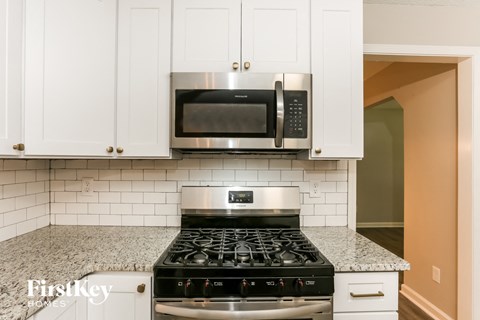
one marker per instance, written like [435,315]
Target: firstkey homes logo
[95,294]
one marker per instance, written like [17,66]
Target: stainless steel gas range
[240,254]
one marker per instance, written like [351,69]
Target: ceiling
[459,3]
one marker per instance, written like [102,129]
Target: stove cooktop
[249,261]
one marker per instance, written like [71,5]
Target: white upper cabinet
[206,35]
[143,78]
[276,36]
[236,35]
[337,79]
[11,28]
[70,60]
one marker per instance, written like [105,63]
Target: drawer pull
[367,295]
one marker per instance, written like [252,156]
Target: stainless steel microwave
[240,112]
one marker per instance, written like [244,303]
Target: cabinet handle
[19,147]
[119,150]
[109,149]
[235,65]
[141,288]
[318,150]
[367,295]
[246,65]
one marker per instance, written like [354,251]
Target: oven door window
[225,113]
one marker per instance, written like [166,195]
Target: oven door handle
[280,114]
[257,311]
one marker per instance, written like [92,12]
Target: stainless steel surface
[246,309]
[230,81]
[280,114]
[367,295]
[275,199]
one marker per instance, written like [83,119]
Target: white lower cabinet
[64,308]
[130,297]
[366,296]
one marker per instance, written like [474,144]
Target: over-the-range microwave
[240,112]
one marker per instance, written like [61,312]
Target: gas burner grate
[242,248]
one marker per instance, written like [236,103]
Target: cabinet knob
[235,65]
[119,150]
[19,147]
[109,149]
[141,288]
[318,150]
[246,65]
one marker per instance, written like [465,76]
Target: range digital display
[240,197]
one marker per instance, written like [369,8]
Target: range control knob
[188,288]
[207,289]
[299,286]
[244,288]
[281,286]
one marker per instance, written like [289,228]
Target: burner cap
[199,258]
[286,257]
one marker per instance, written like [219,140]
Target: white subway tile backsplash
[246,175]
[118,208]
[201,175]
[314,221]
[154,197]
[223,175]
[25,202]
[14,190]
[144,209]
[148,192]
[65,174]
[109,197]
[132,197]
[155,174]
[143,186]
[336,198]
[110,220]
[125,186]
[165,209]
[336,221]
[177,175]
[165,186]
[99,208]
[109,175]
[14,164]
[7,177]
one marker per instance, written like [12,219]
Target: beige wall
[430,120]
[422,25]
[380,173]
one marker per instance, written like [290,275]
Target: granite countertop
[61,254]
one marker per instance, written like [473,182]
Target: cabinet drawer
[366,316]
[366,291]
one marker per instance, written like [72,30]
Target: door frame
[468,172]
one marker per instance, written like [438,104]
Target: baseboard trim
[379,224]
[427,307]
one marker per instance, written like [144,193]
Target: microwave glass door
[225,113]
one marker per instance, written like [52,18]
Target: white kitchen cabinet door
[276,36]
[64,308]
[143,119]
[337,79]
[70,61]
[11,30]
[124,301]
[206,35]
[366,316]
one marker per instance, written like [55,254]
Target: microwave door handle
[280,114]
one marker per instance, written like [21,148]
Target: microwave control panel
[296,114]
